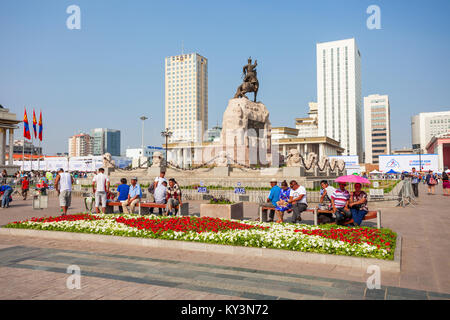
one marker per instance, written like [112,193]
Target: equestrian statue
[250,83]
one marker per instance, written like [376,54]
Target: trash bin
[40,201]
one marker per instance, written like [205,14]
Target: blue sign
[202,190]
[154,148]
[239,190]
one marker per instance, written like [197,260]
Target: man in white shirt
[63,186]
[100,187]
[297,198]
[161,194]
[158,181]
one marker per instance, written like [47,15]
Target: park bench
[264,209]
[183,211]
[370,215]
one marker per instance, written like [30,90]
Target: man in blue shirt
[123,189]
[415,182]
[7,191]
[134,196]
[274,197]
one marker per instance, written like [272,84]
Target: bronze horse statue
[251,83]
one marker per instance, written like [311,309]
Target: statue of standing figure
[250,83]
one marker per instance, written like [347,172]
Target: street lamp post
[167,134]
[143,118]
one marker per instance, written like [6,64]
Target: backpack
[444,176]
[151,189]
[432,180]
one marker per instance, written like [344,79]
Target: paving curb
[305,257]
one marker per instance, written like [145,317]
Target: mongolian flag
[40,126]
[34,124]
[26,127]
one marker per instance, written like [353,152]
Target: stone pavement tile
[407,293]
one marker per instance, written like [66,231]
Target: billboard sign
[405,162]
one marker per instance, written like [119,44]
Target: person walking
[134,196]
[25,187]
[415,182]
[297,197]
[273,198]
[7,191]
[431,182]
[445,184]
[63,186]
[100,187]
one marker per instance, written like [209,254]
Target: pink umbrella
[352,179]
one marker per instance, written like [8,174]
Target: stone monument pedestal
[109,170]
[154,171]
[221,171]
[293,172]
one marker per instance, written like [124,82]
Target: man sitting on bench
[134,196]
[339,201]
[273,198]
[173,197]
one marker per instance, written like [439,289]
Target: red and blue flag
[34,124]
[40,126]
[26,127]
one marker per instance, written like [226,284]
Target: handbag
[432,181]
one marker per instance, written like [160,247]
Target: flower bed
[330,239]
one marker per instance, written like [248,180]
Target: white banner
[405,162]
[72,164]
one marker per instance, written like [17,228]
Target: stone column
[321,150]
[2,146]
[284,150]
[11,147]
[179,157]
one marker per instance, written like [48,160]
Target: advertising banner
[405,162]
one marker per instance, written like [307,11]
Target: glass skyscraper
[106,141]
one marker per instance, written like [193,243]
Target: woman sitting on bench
[283,204]
[358,204]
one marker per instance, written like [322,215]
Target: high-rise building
[307,127]
[377,127]
[339,94]
[426,125]
[106,140]
[186,97]
[81,145]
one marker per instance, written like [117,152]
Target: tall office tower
[106,140]
[339,94]
[426,125]
[377,127]
[186,96]
[81,145]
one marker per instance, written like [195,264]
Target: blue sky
[111,71]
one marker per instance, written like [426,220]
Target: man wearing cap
[273,198]
[134,196]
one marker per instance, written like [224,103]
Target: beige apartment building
[186,97]
[377,127]
[81,145]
